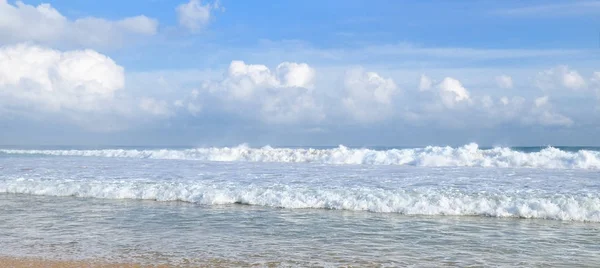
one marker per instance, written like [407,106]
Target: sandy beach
[14,262]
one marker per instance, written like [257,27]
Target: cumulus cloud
[425,83]
[490,112]
[194,16]
[511,107]
[154,107]
[538,111]
[504,81]
[595,81]
[560,77]
[495,111]
[295,94]
[293,74]
[243,80]
[541,101]
[596,78]
[452,92]
[487,102]
[284,95]
[453,105]
[368,96]
[83,82]
[53,80]
[189,103]
[193,109]
[45,25]
[544,114]
[81,87]
[139,25]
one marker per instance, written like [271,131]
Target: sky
[299,73]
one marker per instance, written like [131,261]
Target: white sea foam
[419,202]
[431,156]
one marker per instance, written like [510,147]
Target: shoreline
[38,262]
[33,262]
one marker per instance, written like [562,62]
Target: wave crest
[469,155]
[407,202]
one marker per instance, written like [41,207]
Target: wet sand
[13,262]
[22,262]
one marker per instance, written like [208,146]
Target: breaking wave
[432,156]
[409,202]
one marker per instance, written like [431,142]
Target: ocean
[297,207]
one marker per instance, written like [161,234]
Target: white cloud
[425,83]
[573,80]
[596,77]
[242,80]
[487,102]
[489,112]
[504,81]
[452,92]
[543,113]
[595,81]
[368,95]
[48,79]
[292,74]
[512,107]
[44,24]
[294,93]
[560,77]
[189,103]
[154,107]
[541,101]
[195,93]
[81,87]
[194,109]
[538,111]
[283,96]
[549,118]
[139,24]
[194,16]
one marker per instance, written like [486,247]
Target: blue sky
[299,72]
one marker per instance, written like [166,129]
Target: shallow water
[178,232]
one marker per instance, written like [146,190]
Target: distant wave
[426,202]
[469,155]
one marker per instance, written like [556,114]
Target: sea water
[430,206]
